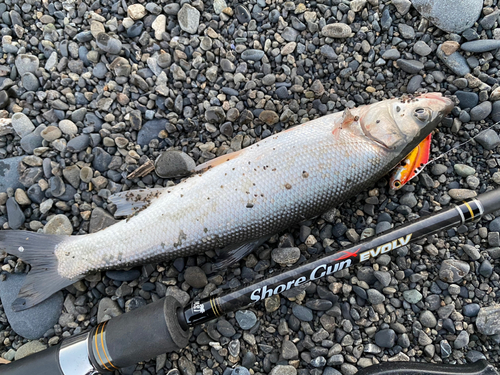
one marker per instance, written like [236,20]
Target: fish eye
[397,183]
[422,114]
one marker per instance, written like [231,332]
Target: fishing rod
[164,326]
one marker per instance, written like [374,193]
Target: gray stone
[481,111]
[391,54]
[479,46]
[100,219]
[453,16]
[410,66]
[471,251]
[336,30]
[489,139]
[414,84]
[283,370]
[26,64]
[463,170]
[286,255]
[385,338]
[14,214]
[462,340]
[195,277]
[78,143]
[402,6]
[252,54]
[302,313]
[109,44]
[31,323]
[467,99]
[30,82]
[428,319]
[375,297]
[174,164]
[9,173]
[456,62]
[422,48]
[107,309]
[406,31]
[22,124]
[59,224]
[189,18]
[246,319]
[452,271]
[29,348]
[150,130]
[412,296]
[488,320]
[461,194]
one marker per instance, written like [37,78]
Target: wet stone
[489,139]
[410,66]
[302,313]
[246,319]
[453,16]
[452,271]
[174,164]
[195,277]
[14,214]
[385,338]
[189,18]
[34,322]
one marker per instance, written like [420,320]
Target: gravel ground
[92,94]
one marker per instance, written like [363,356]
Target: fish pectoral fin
[131,201]
[235,252]
[217,161]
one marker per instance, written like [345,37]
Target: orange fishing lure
[413,164]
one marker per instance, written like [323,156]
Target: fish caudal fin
[37,249]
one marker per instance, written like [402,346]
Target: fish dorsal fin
[131,201]
[217,161]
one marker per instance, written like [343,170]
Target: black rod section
[204,310]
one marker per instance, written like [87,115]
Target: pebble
[136,11]
[480,46]
[22,124]
[9,173]
[242,14]
[107,309]
[410,66]
[471,251]
[59,224]
[150,130]
[452,16]
[481,111]
[471,309]
[461,194]
[15,215]
[174,164]
[283,370]
[225,328]
[385,338]
[34,322]
[302,313]
[195,277]
[108,44]
[489,139]
[467,99]
[100,219]
[452,271]
[422,48]
[26,64]
[488,320]
[428,319]
[412,296]
[456,62]
[286,255]
[189,18]
[246,319]
[29,348]
[252,55]
[336,30]
[463,170]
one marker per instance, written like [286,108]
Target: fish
[235,200]
[412,165]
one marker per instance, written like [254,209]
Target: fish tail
[38,250]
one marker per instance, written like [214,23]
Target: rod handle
[45,362]
[490,201]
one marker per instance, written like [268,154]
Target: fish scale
[238,198]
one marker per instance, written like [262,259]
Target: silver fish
[237,198]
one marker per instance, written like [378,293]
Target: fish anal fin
[131,201]
[217,161]
[235,252]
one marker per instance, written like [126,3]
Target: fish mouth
[443,104]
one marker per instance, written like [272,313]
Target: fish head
[399,125]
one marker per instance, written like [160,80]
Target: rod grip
[45,362]
[422,368]
[139,335]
